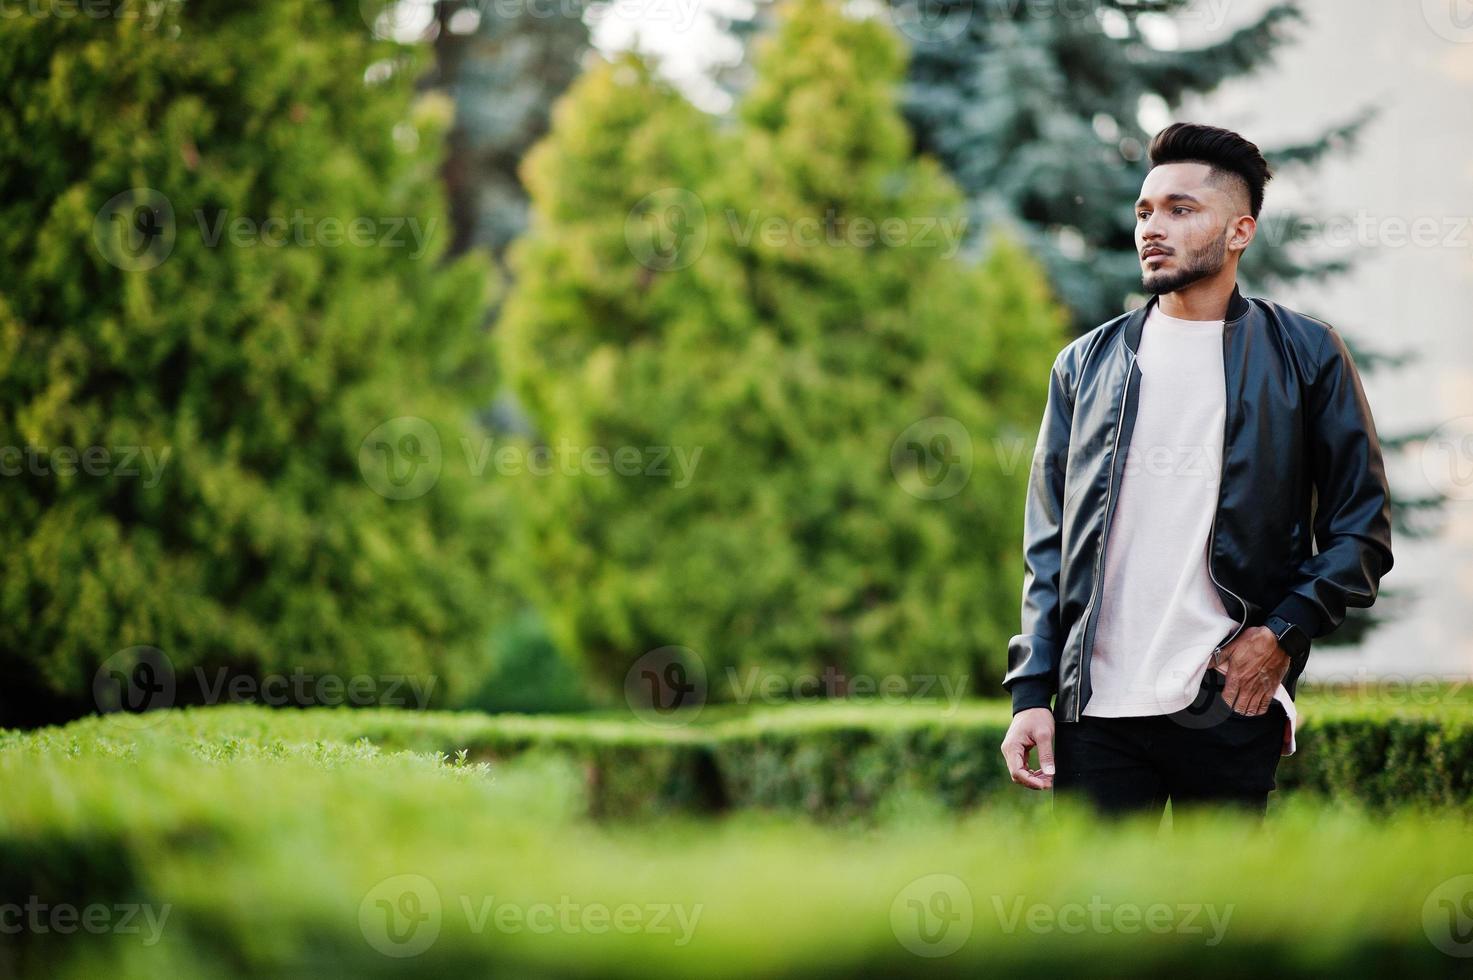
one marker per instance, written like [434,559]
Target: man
[1207,497]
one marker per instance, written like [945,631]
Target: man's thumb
[1046,756]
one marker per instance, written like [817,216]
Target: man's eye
[1187,210]
[1141,215]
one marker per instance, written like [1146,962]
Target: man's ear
[1242,231]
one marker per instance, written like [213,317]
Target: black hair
[1223,150]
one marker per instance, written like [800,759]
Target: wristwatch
[1290,637]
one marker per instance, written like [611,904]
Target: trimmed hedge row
[833,760]
[836,760]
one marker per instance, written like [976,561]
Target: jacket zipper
[1212,535]
[1104,537]
[1211,541]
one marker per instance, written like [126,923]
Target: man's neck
[1206,299]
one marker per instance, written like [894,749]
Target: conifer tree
[781,302]
[221,235]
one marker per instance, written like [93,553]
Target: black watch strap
[1291,637]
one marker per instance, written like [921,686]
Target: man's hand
[1031,727]
[1254,666]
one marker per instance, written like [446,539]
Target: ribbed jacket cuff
[1031,693]
[1301,612]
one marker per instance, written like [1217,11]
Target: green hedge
[832,759]
[271,837]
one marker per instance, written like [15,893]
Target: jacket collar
[1237,306]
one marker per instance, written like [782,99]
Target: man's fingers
[1015,754]
[1033,779]
[1244,701]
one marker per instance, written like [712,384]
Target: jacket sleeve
[1352,521]
[1033,655]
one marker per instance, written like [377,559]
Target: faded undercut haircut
[1232,158]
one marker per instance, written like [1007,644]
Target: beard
[1199,264]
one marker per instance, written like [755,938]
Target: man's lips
[1150,252]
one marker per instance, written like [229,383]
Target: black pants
[1205,754]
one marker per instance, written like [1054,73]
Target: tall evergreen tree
[221,234]
[782,299]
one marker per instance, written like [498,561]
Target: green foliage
[526,671]
[264,843]
[775,305]
[250,368]
[831,760]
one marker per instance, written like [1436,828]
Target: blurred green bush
[220,224]
[841,410]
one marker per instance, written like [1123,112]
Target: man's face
[1185,224]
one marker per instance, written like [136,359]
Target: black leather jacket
[1300,455]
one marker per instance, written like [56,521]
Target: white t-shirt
[1160,615]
